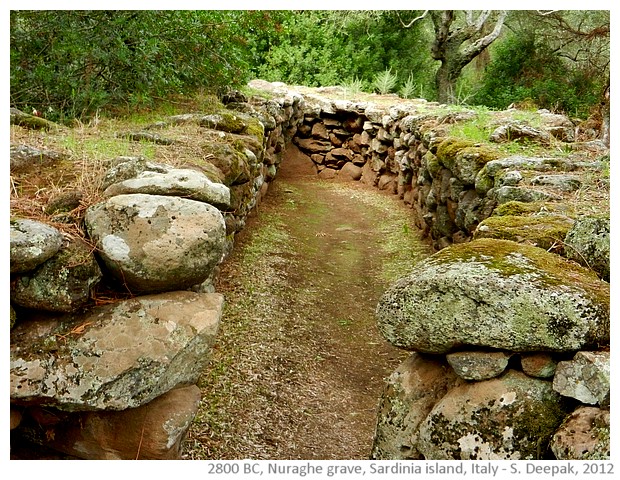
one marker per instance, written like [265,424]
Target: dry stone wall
[502,320]
[509,333]
[116,379]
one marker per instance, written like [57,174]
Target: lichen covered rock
[61,284]
[154,243]
[497,294]
[508,418]
[31,244]
[589,244]
[117,356]
[408,397]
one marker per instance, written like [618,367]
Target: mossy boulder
[61,284]
[544,231]
[497,294]
[512,417]
[448,149]
[516,208]
[470,160]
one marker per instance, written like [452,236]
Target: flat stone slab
[496,294]
[116,357]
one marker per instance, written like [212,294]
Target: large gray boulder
[508,418]
[116,357]
[32,243]
[62,284]
[141,176]
[497,294]
[154,243]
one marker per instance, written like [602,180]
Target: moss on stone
[516,208]
[449,148]
[545,231]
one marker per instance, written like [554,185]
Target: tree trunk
[457,46]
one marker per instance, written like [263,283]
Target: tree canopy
[74,63]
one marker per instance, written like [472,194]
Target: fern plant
[408,89]
[385,81]
[353,86]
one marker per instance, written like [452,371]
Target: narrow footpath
[299,365]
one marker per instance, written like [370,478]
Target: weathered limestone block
[584,435]
[155,243]
[565,183]
[478,365]
[508,193]
[586,377]
[117,356]
[511,417]
[153,431]
[455,297]
[61,284]
[32,243]
[408,397]
[589,244]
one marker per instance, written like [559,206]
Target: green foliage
[524,69]
[320,48]
[409,88]
[385,81]
[74,63]
[353,86]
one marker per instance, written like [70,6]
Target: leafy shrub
[525,70]
[73,63]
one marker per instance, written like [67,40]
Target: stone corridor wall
[83,373]
[114,376]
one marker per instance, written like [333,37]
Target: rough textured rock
[510,417]
[515,131]
[61,284]
[584,435]
[518,194]
[350,172]
[32,243]
[538,364]
[117,356]
[409,395]
[155,243]
[566,183]
[478,365]
[586,377]
[589,244]
[153,431]
[174,182]
[24,158]
[544,231]
[455,297]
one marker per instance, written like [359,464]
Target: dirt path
[299,365]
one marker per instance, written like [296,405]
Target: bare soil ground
[300,365]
